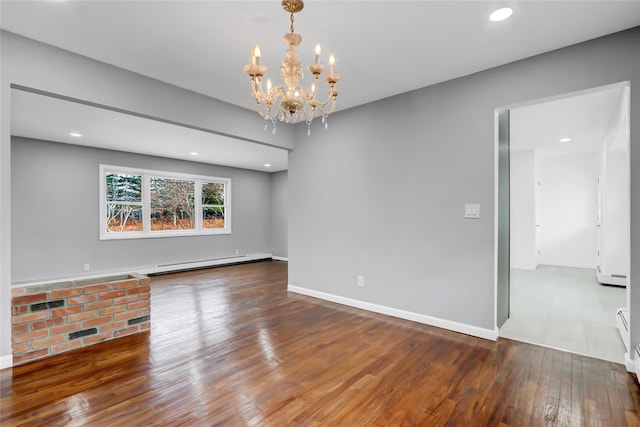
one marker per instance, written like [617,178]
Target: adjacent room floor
[566,308]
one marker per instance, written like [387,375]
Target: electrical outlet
[360,282]
[86,267]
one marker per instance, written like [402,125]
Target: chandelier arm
[330,97]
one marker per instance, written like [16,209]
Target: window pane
[123,187]
[172,204]
[213,217]
[123,217]
[212,193]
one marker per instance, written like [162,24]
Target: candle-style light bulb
[318,51]
[256,54]
[332,60]
[268,86]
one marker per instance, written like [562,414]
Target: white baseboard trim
[280,258]
[628,363]
[402,314]
[6,361]
[570,265]
[523,267]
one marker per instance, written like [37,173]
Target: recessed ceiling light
[267,165]
[193,153]
[75,134]
[501,14]
[565,139]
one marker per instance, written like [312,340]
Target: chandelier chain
[291,22]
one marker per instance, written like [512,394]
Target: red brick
[125,284]
[66,292]
[145,280]
[20,348]
[145,296]
[92,339]
[41,324]
[56,312]
[122,332]
[112,294]
[19,329]
[61,348]
[126,315]
[97,288]
[82,316]
[29,336]
[27,299]
[139,304]
[29,317]
[99,304]
[69,327]
[139,289]
[97,321]
[19,359]
[45,342]
[82,299]
[19,309]
[15,292]
[112,326]
[145,311]
[145,326]
[127,299]
[114,309]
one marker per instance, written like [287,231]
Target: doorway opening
[563,222]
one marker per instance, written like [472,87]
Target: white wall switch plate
[472,211]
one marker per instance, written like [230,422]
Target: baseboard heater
[611,279]
[187,263]
[622,320]
[204,263]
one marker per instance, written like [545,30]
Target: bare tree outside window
[172,204]
[212,205]
[124,202]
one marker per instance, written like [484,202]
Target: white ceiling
[52,119]
[382,48]
[584,118]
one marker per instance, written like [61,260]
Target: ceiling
[382,48]
[52,119]
[585,119]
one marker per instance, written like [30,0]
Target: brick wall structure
[48,319]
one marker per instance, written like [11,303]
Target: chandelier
[292,102]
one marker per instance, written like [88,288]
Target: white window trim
[146,204]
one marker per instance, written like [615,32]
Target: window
[138,203]
[172,204]
[212,205]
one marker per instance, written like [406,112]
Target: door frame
[498,245]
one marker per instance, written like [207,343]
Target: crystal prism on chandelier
[292,102]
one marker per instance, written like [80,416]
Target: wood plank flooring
[231,347]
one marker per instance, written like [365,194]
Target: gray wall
[37,66]
[55,213]
[382,192]
[279,217]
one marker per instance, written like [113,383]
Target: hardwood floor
[230,346]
